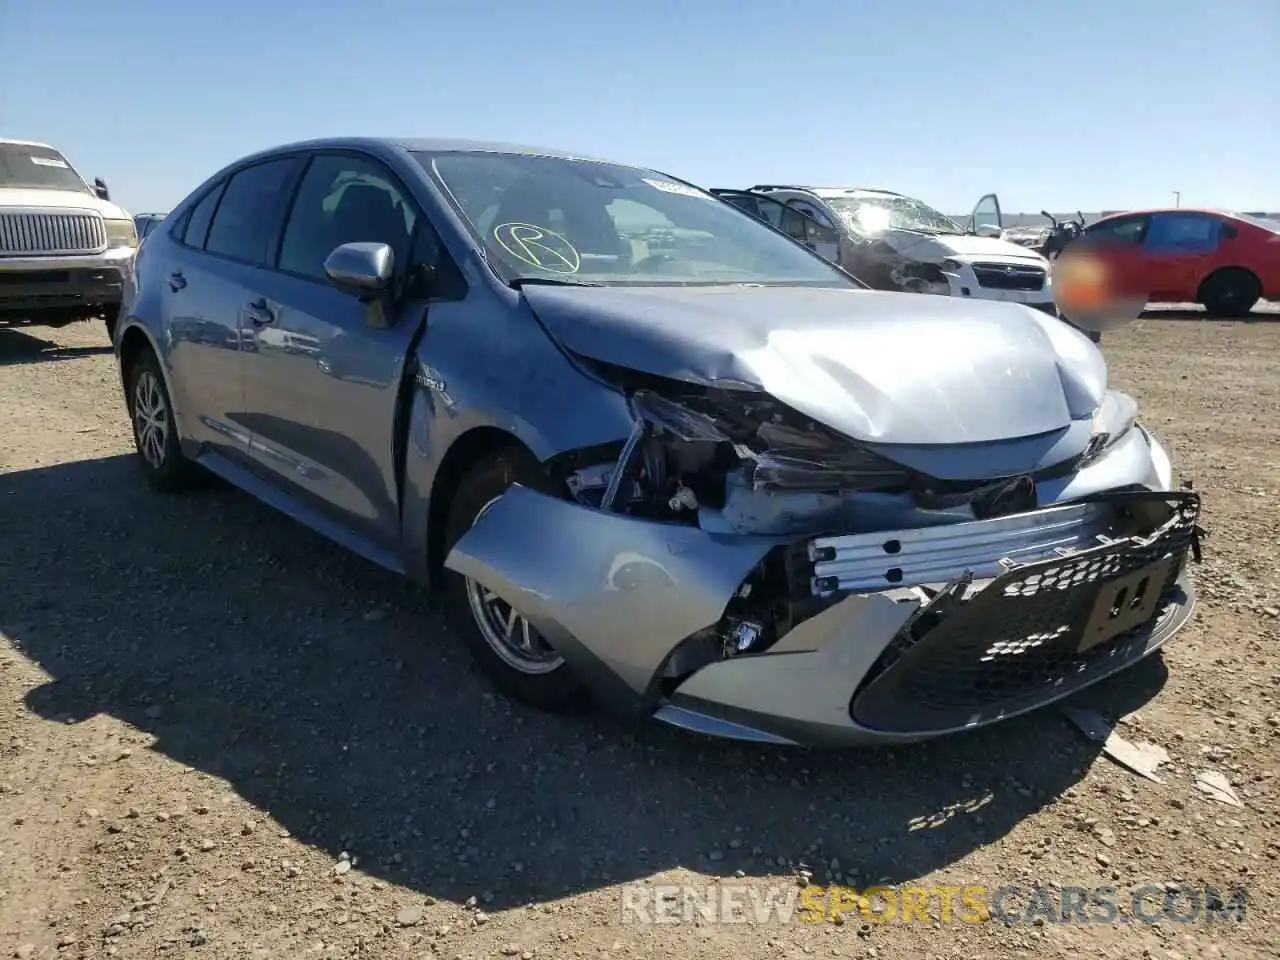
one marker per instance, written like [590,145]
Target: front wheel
[509,650]
[155,435]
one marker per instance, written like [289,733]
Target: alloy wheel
[151,419]
[510,635]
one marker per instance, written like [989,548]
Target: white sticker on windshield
[666,186]
[49,162]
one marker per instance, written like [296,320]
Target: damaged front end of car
[736,568]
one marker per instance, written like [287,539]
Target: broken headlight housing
[778,448]
[1112,421]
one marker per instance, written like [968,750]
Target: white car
[895,242]
[65,248]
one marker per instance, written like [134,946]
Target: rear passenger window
[201,216]
[249,212]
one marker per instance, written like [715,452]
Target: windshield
[875,213]
[574,221]
[38,168]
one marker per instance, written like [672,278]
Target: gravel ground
[222,736]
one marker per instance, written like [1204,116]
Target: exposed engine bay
[739,462]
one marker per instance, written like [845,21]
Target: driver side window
[810,211]
[345,199]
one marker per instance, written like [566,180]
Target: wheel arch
[463,454]
[1219,271]
[135,340]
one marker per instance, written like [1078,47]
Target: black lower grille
[1021,639]
[999,276]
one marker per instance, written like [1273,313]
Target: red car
[1225,261]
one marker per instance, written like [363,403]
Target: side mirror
[988,230]
[363,268]
[100,188]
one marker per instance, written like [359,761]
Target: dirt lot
[221,736]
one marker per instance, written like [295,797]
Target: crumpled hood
[61,200]
[880,367]
[931,249]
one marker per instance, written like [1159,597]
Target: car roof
[1151,210]
[27,143]
[828,193]
[431,144]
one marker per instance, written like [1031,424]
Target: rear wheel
[509,650]
[1230,293]
[155,435]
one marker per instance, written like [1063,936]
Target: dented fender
[614,595]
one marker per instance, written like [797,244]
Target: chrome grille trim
[932,555]
[40,233]
[1009,276]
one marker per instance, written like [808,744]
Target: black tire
[1230,293]
[556,688]
[155,434]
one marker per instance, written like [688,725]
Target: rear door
[226,240]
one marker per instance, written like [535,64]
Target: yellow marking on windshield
[538,246]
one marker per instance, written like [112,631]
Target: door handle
[177,281]
[259,313]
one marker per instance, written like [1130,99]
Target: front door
[323,381]
[986,220]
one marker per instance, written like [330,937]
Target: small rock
[342,866]
[410,916]
[1271,611]
[206,845]
[25,951]
[511,950]
[247,827]
[1102,859]
[373,616]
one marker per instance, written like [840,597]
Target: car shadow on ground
[21,344]
[1188,313]
[328,694]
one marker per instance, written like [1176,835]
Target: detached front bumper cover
[618,595]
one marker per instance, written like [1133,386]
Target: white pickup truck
[64,246]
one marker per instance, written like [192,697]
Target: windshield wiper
[519,282]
